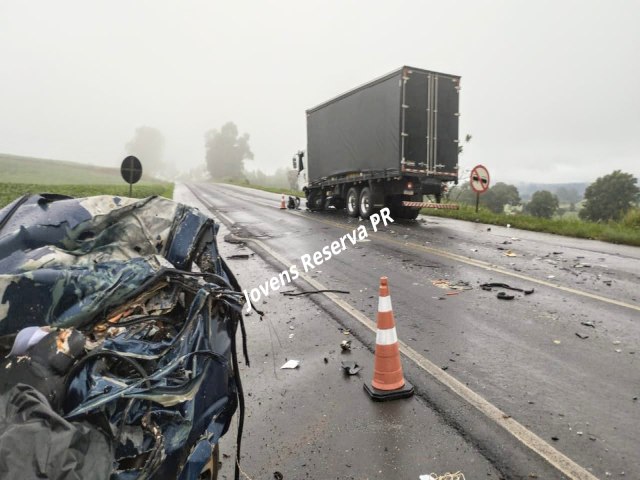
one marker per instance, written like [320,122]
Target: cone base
[384,395]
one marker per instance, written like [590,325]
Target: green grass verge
[572,227]
[11,191]
[286,191]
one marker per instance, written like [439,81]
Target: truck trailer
[386,143]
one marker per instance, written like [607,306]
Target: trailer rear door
[429,123]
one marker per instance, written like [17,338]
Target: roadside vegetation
[609,211]
[625,232]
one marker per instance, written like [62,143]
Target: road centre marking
[532,441]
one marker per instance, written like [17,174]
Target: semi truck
[386,143]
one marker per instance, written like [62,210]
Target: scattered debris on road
[447,284]
[240,256]
[290,365]
[581,336]
[444,476]
[490,286]
[345,345]
[350,368]
[293,293]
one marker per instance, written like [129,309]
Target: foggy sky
[550,90]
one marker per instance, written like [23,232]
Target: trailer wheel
[315,200]
[366,202]
[353,202]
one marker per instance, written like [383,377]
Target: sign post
[479,181]
[131,171]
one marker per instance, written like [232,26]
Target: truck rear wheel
[353,202]
[366,203]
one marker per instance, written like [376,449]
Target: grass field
[28,170]
[22,175]
[11,191]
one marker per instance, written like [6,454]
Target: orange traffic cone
[282,205]
[388,381]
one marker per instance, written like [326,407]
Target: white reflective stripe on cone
[384,304]
[387,336]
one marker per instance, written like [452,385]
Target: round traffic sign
[479,179]
[131,170]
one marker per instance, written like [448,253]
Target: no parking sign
[479,181]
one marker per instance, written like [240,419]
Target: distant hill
[561,189]
[19,169]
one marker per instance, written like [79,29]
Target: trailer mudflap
[441,206]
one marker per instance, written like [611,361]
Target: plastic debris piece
[505,296]
[510,253]
[350,368]
[290,364]
[583,337]
[26,338]
[489,286]
[345,345]
[277,475]
[588,324]
[291,335]
[616,342]
[557,342]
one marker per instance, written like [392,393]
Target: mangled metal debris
[119,318]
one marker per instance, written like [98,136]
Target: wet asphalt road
[562,361]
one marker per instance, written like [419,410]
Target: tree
[462,193]
[226,152]
[610,197]
[148,145]
[499,195]
[543,204]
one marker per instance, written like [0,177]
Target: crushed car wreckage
[118,321]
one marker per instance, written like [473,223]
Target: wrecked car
[118,322]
